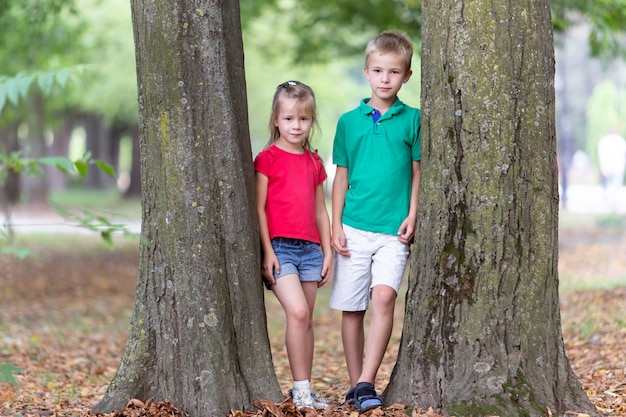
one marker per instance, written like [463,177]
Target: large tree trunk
[482,331]
[198,333]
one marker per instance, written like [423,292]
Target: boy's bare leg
[381,323]
[353,336]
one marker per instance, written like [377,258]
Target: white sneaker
[319,401]
[302,399]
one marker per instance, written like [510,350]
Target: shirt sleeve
[262,163]
[339,145]
[416,149]
[321,173]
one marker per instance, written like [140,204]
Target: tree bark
[482,332]
[198,333]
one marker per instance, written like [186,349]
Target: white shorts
[375,259]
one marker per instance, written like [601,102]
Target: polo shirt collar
[367,110]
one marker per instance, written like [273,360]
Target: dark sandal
[365,397]
[349,400]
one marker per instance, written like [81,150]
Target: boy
[374,210]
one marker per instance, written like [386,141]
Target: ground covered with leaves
[64,316]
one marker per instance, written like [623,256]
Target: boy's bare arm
[407,228]
[415,189]
[340,187]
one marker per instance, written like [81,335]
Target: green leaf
[20,253]
[6,373]
[23,84]
[12,92]
[61,163]
[59,209]
[106,236]
[3,97]
[62,76]
[82,168]
[106,168]
[46,81]
[103,220]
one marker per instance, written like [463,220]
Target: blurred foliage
[323,31]
[37,38]
[88,219]
[112,90]
[52,36]
[38,34]
[605,114]
[45,35]
[607,19]
[17,88]
[6,373]
[320,43]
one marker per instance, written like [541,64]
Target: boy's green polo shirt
[378,157]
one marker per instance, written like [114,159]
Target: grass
[108,201]
[603,223]
[587,236]
[591,248]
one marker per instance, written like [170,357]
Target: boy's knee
[383,295]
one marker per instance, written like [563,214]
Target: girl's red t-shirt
[293,180]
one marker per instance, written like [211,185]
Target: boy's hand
[406,231]
[339,242]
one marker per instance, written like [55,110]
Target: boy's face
[386,73]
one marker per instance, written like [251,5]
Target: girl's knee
[301,316]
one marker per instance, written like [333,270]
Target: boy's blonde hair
[394,42]
[306,99]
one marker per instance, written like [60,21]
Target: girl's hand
[270,264]
[326,270]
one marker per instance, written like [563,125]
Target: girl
[294,227]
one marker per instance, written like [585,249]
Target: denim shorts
[299,257]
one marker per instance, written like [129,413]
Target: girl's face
[294,124]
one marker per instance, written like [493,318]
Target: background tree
[606,19]
[109,99]
[35,35]
[335,29]
[482,331]
[198,335]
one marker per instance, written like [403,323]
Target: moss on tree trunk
[198,333]
[482,332]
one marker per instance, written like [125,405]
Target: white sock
[305,384]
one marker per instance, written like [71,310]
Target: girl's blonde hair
[394,42]
[306,100]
